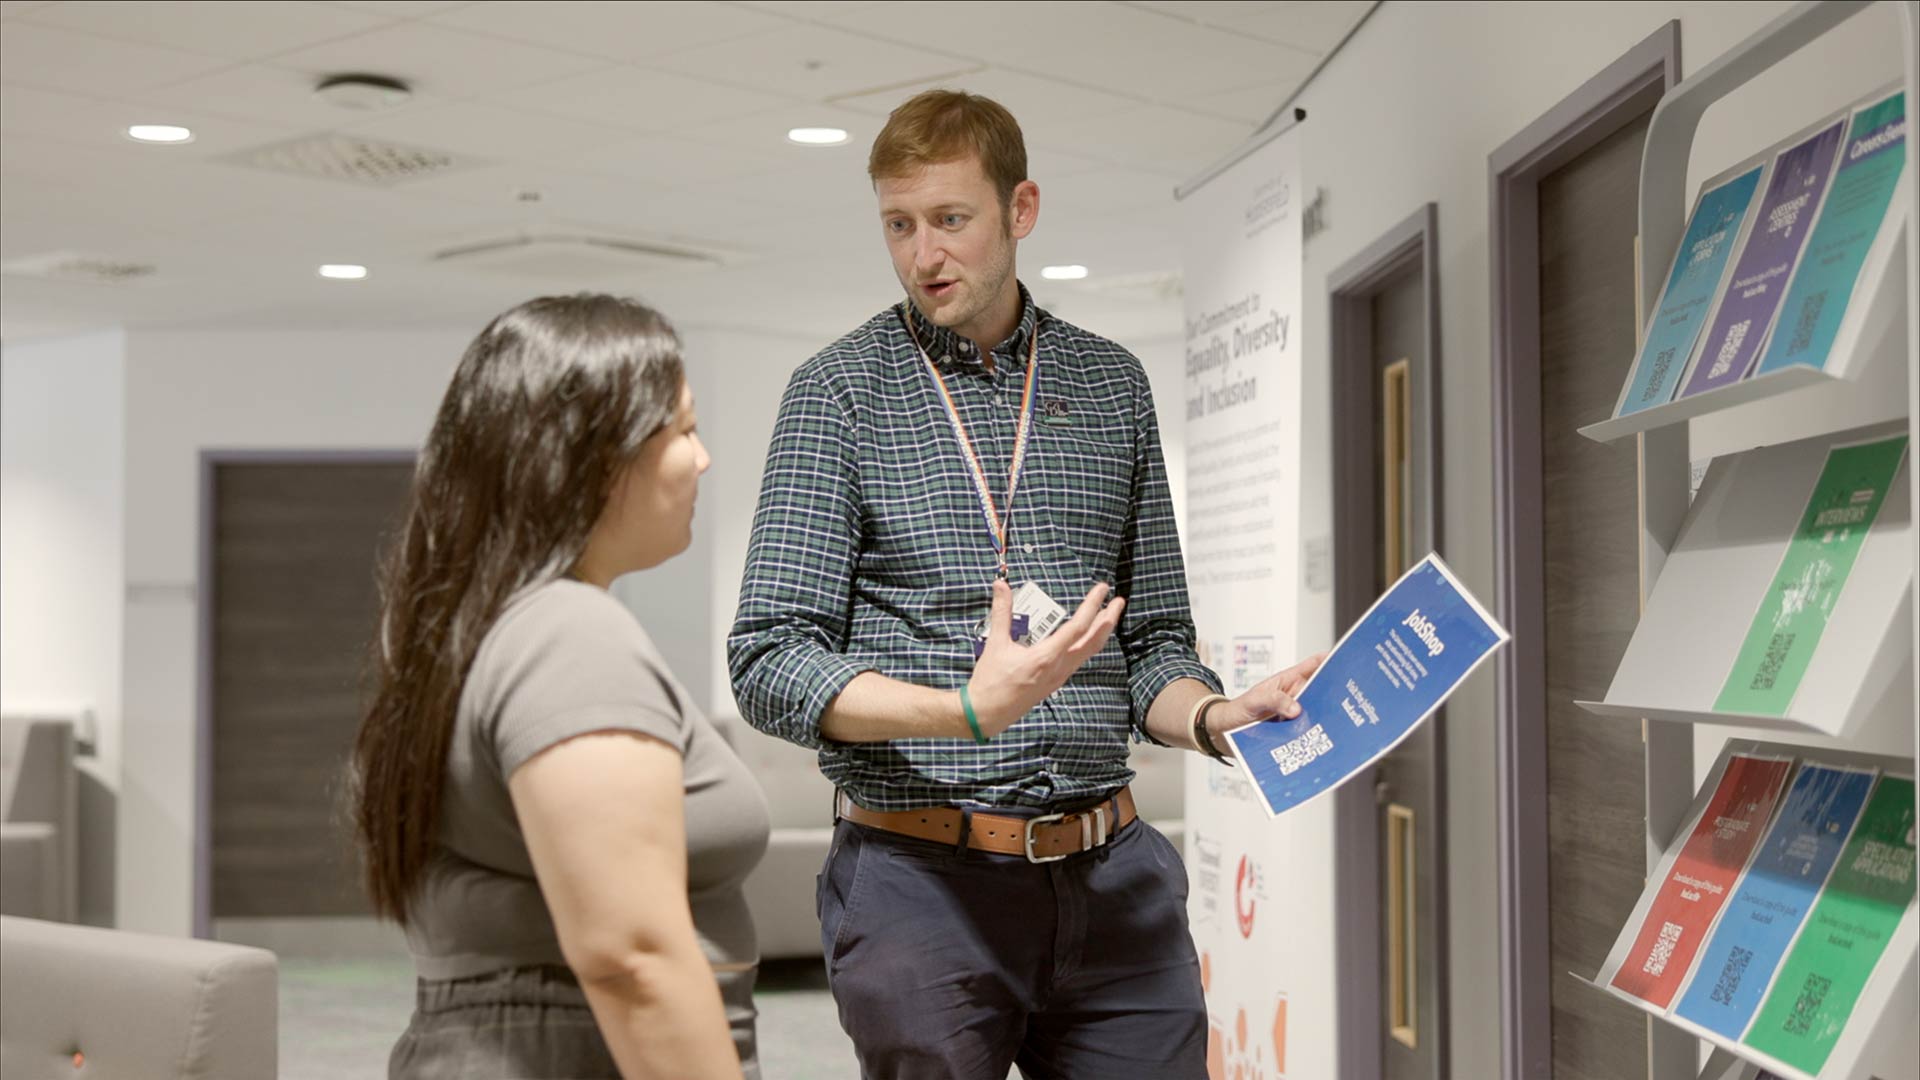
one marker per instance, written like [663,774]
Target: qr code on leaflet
[1662,950]
[1809,314]
[1296,754]
[1811,995]
[1731,975]
[1777,648]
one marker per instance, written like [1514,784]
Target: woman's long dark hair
[546,410]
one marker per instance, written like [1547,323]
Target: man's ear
[1023,211]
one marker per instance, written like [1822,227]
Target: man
[961,461]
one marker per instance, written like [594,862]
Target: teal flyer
[1870,167]
[1705,250]
[1773,898]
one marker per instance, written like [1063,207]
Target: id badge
[1018,633]
[1042,614]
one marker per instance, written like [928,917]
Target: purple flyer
[1760,277]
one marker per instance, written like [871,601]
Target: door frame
[1413,244]
[211,461]
[1611,99]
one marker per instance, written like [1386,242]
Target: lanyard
[997,523]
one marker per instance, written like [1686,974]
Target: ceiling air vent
[75,266]
[579,258]
[357,160]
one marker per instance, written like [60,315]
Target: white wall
[188,392]
[1407,114]
[61,586]
[61,424]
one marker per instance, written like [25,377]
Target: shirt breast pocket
[1087,492]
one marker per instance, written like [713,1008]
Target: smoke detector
[79,266]
[576,257]
[363,93]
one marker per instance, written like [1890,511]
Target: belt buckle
[1044,819]
[1093,832]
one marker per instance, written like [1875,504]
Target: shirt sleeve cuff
[828,674]
[1153,677]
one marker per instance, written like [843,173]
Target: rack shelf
[1890,372]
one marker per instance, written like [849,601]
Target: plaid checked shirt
[870,553]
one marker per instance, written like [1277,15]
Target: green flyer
[1813,996]
[1812,573]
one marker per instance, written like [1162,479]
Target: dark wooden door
[294,547]
[1596,799]
[1410,821]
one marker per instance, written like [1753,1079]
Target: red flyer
[1691,887]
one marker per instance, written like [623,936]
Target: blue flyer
[1773,898]
[1389,673]
[1705,250]
[1850,221]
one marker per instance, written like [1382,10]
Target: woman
[560,832]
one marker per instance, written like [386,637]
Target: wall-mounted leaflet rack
[1705,566]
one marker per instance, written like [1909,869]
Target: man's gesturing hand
[1010,679]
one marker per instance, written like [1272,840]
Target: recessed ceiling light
[1073,272]
[159,133]
[821,136]
[343,271]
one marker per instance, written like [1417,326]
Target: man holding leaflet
[937,480]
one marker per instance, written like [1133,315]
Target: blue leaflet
[1705,250]
[1774,897]
[1391,671]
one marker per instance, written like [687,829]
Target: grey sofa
[39,819]
[780,891]
[133,1006]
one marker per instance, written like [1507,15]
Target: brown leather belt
[1041,839]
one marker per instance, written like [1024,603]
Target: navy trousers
[954,965]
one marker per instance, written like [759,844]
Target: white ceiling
[655,121]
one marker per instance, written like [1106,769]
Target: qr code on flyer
[1298,753]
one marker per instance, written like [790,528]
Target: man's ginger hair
[938,126]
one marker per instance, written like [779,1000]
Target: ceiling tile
[1125,50]
[1099,194]
[1211,11]
[488,131]
[642,100]
[563,195]
[618,31]
[235,29]
[401,9]
[440,61]
[810,9]
[10,8]
[1249,104]
[1315,26]
[55,59]
[62,117]
[669,160]
[818,186]
[1032,99]
[50,114]
[1159,139]
[815,63]
[767,132]
[270,94]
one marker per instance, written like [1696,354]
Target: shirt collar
[942,343]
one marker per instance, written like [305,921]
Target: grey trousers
[529,1023]
[959,965]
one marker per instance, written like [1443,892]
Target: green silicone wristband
[966,706]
